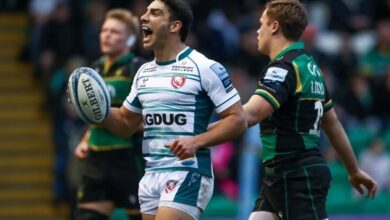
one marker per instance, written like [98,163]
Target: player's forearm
[256,109]
[117,123]
[339,141]
[85,137]
[226,129]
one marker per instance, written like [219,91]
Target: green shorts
[111,175]
[297,194]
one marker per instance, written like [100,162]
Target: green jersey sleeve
[276,84]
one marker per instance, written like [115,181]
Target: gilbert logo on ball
[89,95]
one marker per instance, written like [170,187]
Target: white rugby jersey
[176,100]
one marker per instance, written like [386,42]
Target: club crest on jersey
[178,81]
[170,185]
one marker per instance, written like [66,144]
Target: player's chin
[105,50]
[148,45]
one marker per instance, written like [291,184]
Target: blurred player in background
[292,104]
[113,165]
[174,96]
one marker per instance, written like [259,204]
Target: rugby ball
[89,95]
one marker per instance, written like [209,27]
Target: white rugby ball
[89,95]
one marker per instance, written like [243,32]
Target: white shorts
[186,191]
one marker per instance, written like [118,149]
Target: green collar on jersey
[293,46]
[183,54]
[124,59]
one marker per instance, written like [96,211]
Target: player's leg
[94,210]
[134,214]
[149,195]
[124,181]
[93,202]
[184,195]
[307,190]
[263,209]
[148,217]
[165,213]
[262,215]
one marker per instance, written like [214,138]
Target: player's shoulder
[97,64]
[277,71]
[203,62]
[149,66]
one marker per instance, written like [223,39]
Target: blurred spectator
[382,9]
[64,122]
[345,63]
[91,30]
[309,37]
[376,61]
[376,162]
[382,98]
[12,5]
[357,99]
[39,12]
[247,56]
[227,34]
[351,15]
[60,38]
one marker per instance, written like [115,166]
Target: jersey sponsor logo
[150,69]
[178,81]
[183,68]
[276,74]
[166,119]
[143,82]
[170,185]
[223,75]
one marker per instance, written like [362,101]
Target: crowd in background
[350,39]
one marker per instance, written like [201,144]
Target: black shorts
[111,175]
[298,194]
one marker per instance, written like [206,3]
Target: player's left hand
[361,178]
[183,148]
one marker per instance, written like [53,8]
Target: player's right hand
[81,151]
[359,179]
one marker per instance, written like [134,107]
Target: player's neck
[112,58]
[278,46]
[168,51]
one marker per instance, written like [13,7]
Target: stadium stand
[25,153]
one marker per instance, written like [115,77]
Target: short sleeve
[218,86]
[328,103]
[132,102]
[276,84]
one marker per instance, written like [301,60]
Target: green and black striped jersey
[118,78]
[294,85]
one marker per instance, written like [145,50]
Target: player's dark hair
[291,15]
[180,10]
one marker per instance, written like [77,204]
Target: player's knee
[89,214]
[262,215]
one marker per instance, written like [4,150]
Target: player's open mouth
[147,31]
